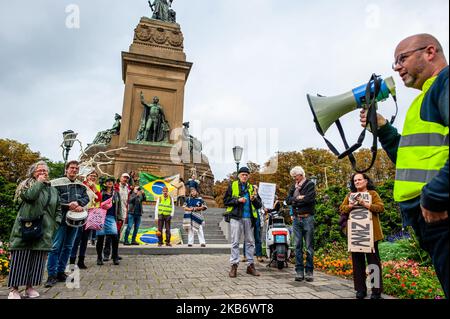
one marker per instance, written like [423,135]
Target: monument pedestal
[156,66]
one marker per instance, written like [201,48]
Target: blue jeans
[132,219]
[433,238]
[61,249]
[303,228]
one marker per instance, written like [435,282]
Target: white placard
[360,226]
[267,193]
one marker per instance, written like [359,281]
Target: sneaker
[169,245]
[299,277]
[361,294]
[116,261]
[31,293]
[14,294]
[100,262]
[61,277]
[309,277]
[120,258]
[260,259]
[105,258]
[51,281]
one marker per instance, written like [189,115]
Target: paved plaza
[196,276]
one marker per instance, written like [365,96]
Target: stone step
[210,248]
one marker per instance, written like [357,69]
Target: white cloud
[254,63]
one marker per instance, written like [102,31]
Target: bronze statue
[162,11]
[154,127]
[104,137]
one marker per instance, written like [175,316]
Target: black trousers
[114,243]
[359,270]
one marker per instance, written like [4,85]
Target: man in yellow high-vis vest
[164,210]
[421,152]
[242,203]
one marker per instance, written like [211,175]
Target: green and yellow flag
[153,185]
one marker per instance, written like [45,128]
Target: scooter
[277,240]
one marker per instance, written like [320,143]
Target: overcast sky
[254,63]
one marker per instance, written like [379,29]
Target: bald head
[418,58]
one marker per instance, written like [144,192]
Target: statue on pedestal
[154,127]
[104,137]
[162,11]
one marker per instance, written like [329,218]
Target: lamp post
[69,137]
[237,153]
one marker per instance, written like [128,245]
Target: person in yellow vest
[242,203]
[164,210]
[421,153]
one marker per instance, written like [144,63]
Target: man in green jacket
[421,152]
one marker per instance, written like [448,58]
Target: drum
[75,219]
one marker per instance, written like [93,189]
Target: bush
[8,211]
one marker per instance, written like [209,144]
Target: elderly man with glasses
[302,197]
[421,151]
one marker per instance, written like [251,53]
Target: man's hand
[73,206]
[79,209]
[300,197]
[242,200]
[381,121]
[433,217]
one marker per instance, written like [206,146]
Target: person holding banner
[361,184]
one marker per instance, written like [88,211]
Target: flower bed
[405,279]
[4,261]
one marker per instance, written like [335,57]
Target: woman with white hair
[302,197]
[38,218]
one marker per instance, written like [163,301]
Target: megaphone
[327,110]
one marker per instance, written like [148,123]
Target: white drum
[76,219]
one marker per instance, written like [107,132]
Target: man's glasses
[401,58]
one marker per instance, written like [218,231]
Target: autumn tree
[15,159]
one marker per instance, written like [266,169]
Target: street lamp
[237,153]
[313,179]
[69,138]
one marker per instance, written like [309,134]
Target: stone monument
[155,72]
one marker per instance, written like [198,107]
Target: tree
[15,159]
[8,210]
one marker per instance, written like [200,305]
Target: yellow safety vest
[422,152]
[165,206]
[235,193]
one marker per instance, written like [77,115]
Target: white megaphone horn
[327,110]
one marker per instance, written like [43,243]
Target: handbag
[96,219]
[31,228]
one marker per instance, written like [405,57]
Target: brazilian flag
[153,184]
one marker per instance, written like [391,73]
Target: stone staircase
[213,216]
[216,241]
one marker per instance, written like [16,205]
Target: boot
[80,263]
[72,260]
[252,271]
[233,271]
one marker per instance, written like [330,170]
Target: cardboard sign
[267,193]
[360,226]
